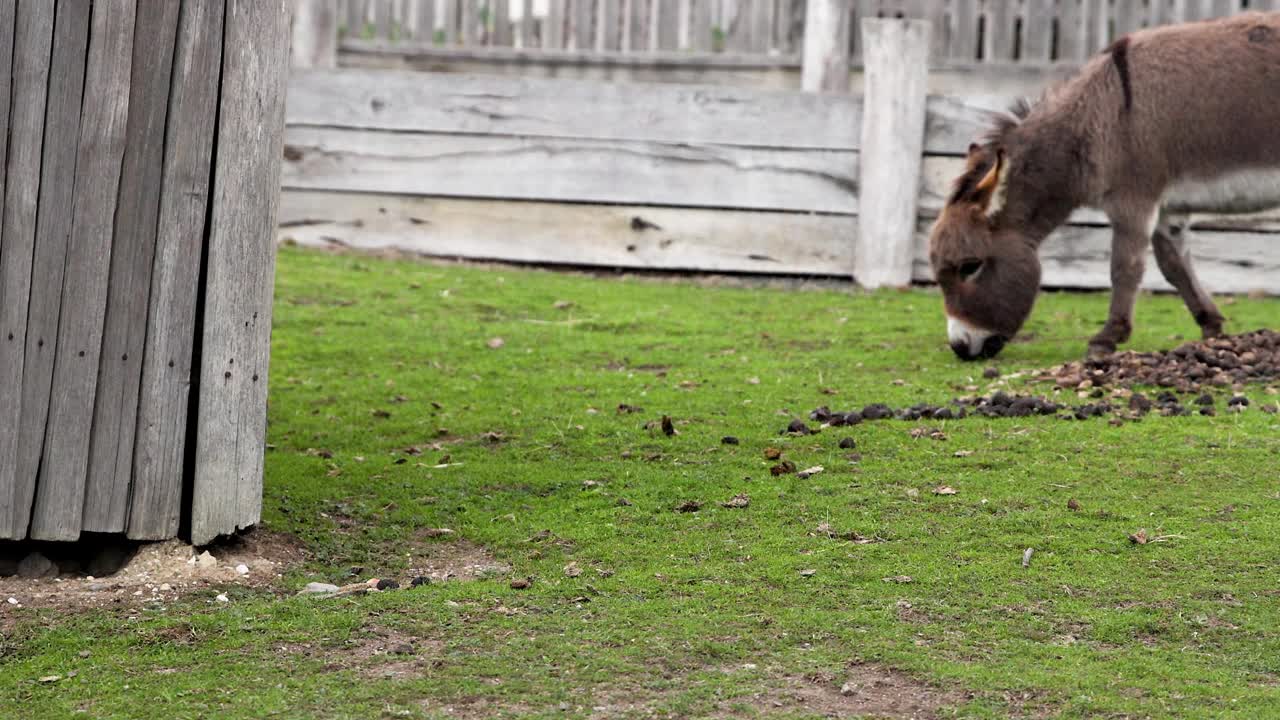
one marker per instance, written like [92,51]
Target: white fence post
[826,46]
[315,34]
[895,58]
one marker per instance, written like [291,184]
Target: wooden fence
[673,176]
[136,263]
[964,32]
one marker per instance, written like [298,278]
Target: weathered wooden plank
[357,17]
[231,432]
[1072,35]
[60,488]
[381,12]
[410,101]
[115,411]
[604,235]
[999,38]
[1037,30]
[761,27]
[469,22]
[553,32]
[53,228]
[528,28]
[502,32]
[1078,256]
[1128,16]
[160,443]
[665,22]
[963,28]
[700,23]
[25,39]
[424,21]
[896,55]
[826,46]
[688,174]
[315,34]
[608,26]
[582,25]
[635,25]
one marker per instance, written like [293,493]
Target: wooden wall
[661,176]
[136,262]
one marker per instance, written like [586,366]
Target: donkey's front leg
[1174,260]
[1128,260]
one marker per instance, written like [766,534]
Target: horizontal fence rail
[965,32]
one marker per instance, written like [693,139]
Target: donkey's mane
[1002,123]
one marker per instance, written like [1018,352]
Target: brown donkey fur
[1167,121]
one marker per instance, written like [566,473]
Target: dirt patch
[869,690]
[378,652]
[442,560]
[147,573]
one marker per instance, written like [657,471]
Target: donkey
[1165,122]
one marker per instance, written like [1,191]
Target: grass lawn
[387,367]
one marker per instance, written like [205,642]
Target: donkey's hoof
[1210,332]
[1098,351]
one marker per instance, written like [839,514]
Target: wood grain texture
[231,437]
[165,393]
[53,229]
[28,33]
[896,53]
[115,411]
[537,107]
[315,33]
[64,464]
[688,175]
[999,38]
[825,55]
[602,235]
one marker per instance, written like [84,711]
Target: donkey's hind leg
[1168,243]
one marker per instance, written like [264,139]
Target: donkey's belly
[1240,191]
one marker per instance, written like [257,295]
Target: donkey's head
[988,269]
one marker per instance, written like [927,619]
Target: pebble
[318,588]
[204,560]
[13,601]
[242,569]
[35,566]
[223,598]
[84,653]
[165,587]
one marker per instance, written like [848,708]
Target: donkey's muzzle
[990,348]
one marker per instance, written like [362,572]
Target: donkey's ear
[988,194]
[973,148]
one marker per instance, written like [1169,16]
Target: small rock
[84,653]
[35,566]
[165,587]
[944,490]
[222,597]
[242,569]
[520,583]
[809,472]
[205,561]
[50,678]
[808,572]
[495,343]
[13,601]
[318,588]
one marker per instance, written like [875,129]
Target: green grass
[689,614]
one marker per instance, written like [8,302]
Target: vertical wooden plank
[527,28]
[160,444]
[553,31]
[583,10]
[1167,12]
[115,411]
[1037,30]
[700,25]
[357,17]
[762,17]
[607,35]
[315,34]
[1129,16]
[1097,25]
[469,14]
[1071,31]
[451,21]
[734,26]
[26,36]
[424,21]
[999,37]
[501,36]
[53,228]
[381,12]
[635,24]
[235,351]
[64,463]
[665,25]
[825,65]
[964,31]
[895,57]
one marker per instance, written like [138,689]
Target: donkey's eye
[970,268]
